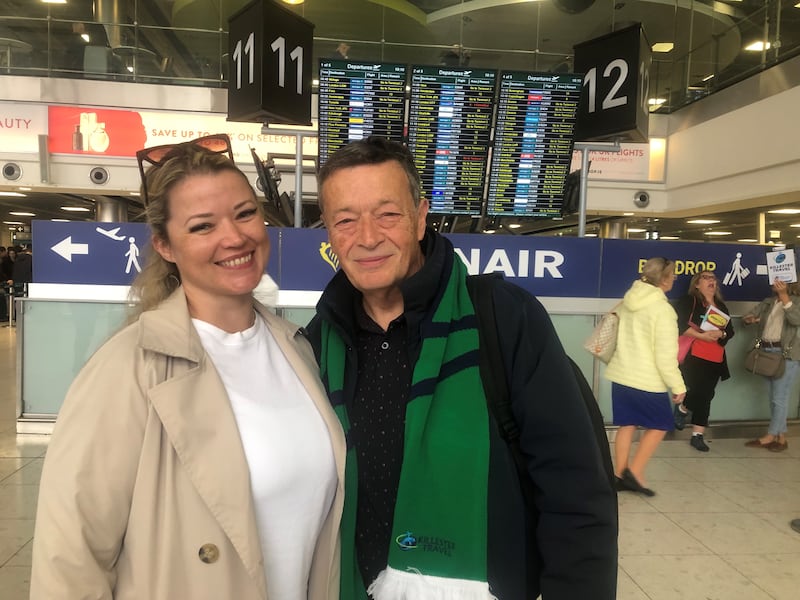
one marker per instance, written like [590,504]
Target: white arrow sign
[65,248]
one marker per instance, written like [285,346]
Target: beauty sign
[781,265]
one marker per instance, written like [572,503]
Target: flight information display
[449,124]
[534,136]
[357,100]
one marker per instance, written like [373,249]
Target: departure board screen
[534,136]
[449,123]
[357,100]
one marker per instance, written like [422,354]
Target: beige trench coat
[145,491]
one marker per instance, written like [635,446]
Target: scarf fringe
[392,584]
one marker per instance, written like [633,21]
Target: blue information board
[301,259]
[82,252]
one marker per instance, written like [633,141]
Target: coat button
[209,553]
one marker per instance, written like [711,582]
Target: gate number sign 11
[270,77]
[279,46]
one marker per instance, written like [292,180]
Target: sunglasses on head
[218,143]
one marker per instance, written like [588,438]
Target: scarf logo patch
[408,541]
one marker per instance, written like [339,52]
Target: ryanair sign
[551,266]
[302,260]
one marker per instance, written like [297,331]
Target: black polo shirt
[377,427]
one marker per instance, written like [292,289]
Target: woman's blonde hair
[159,278]
[655,270]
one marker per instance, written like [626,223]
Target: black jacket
[690,310]
[575,554]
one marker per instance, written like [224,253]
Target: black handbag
[766,364]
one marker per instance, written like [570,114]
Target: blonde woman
[644,372]
[196,454]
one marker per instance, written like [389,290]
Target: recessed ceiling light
[488,231]
[75,209]
[663,47]
[514,225]
[85,37]
[748,240]
[23,188]
[293,1]
[13,222]
[590,235]
[134,193]
[12,194]
[315,82]
[784,211]
[22,214]
[636,230]
[669,237]
[720,233]
[703,221]
[627,214]
[61,220]
[708,77]
[54,1]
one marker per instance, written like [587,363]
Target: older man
[433,503]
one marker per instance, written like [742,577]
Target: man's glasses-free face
[218,143]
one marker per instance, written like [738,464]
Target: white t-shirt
[288,450]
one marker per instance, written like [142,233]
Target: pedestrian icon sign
[88,252]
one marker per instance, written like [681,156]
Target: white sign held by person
[781,265]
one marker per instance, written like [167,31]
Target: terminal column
[111,210]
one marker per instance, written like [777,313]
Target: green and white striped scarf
[438,545]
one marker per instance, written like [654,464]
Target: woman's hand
[678,398]
[750,319]
[782,290]
[712,336]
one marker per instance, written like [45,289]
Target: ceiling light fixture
[635,230]
[61,220]
[707,77]
[785,211]
[669,237]
[85,37]
[22,214]
[488,231]
[75,209]
[13,222]
[627,214]
[703,221]
[757,46]
[514,225]
[54,1]
[12,194]
[719,233]
[748,240]
[293,1]
[663,47]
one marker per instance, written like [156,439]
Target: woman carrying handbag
[705,364]
[778,318]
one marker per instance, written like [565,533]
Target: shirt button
[209,553]
[385,345]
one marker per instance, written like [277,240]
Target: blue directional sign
[741,269]
[88,252]
[97,253]
[302,259]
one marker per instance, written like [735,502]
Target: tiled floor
[718,528]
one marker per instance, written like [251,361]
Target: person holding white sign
[196,454]
[778,320]
[703,317]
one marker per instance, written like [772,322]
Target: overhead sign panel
[616,86]
[269,59]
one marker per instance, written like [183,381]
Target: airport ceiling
[510,34]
